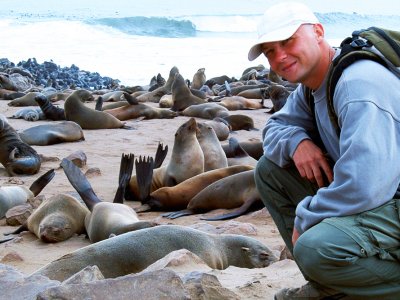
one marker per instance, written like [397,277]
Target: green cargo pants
[358,255]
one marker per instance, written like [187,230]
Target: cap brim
[273,36]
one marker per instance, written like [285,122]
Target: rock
[18,215]
[88,274]
[78,158]
[92,172]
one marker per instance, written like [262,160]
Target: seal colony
[108,216]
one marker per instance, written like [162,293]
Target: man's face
[296,58]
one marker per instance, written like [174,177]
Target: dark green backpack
[360,46]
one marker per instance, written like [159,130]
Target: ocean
[134,40]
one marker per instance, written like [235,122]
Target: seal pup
[252,147]
[75,110]
[238,156]
[199,79]
[50,111]
[134,110]
[11,196]
[50,134]
[26,100]
[240,122]
[178,196]
[214,155]
[132,252]
[278,95]
[155,95]
[234,191]
[207,110]
[105,219]
[56,219]
[182,97]
[187,160]
[31,114]
[16,156]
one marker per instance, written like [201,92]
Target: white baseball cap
[279,23]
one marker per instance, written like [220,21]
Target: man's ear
[319,31]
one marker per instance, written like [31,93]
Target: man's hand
[312,163]
[295,236]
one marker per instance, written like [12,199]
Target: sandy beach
[103,149]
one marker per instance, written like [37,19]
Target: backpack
[377,44]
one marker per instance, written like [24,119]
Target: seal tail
[80,183]
[251,205]
[160,155]
[144,177]
[39,184]
[125,173]
[99,104]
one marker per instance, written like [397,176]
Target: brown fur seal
[17,157]
[238,156]
[29,113]
[221,128]
[240,122]
[113,96]
[132,252]
[187,160]
[251,94]
[166,101]
[254,148]
[155,95]
[238,190]
[56,219]
[105,218]
[206,111]
[75,110]
[178,196]
[26,100]
[51,111]
[134,110]
[199,78]
[278,95]
[214,155]
[50,134]
[240,103]
[182,97]
[11,196]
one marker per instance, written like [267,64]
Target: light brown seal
[240,122]
[105,218]
[234,191]
[56,219]
[241,103]
[16,156]
[199,78]
[187,160]
[182,97]
[50,134]
[238,156]
[221,127]
[132,252]
[207,110]
[26,100]
[178,196]
[278,95]
[252,147]
[75,110]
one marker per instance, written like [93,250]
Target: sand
[103,149]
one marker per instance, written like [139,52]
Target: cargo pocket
[382,227]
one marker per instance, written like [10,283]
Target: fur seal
[240,122]
[237,190]
[56,219]
[240,103]
[199,79]
[16,156]
[238,156]
[221,128]
[254,148]
[278,95]
[75,110]
[187,160]
[11,196]
[132,252]
[51,111]
[155,95]
[105,218]
[26,100]
[207,110]
[182,97]
[50,134]
[31,114]
[251,94]
[113,96]
[178,196]
[214,155]
[134,110]
[166,101]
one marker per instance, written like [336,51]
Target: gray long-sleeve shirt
[367,156]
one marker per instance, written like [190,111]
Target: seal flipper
[80,183]
[50,111]
[178,214]
[99,104]
[22,228]
[131,100]
[250,205]
[236,149]
[125,173]
[160,155]
[144,177]
[39,184]
[7,239]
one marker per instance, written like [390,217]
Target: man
[336,205]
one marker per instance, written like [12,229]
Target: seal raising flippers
[160,155]
[80,183]
[50,111]
[99,104]
[125,173]
[38,185]
[144,176]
